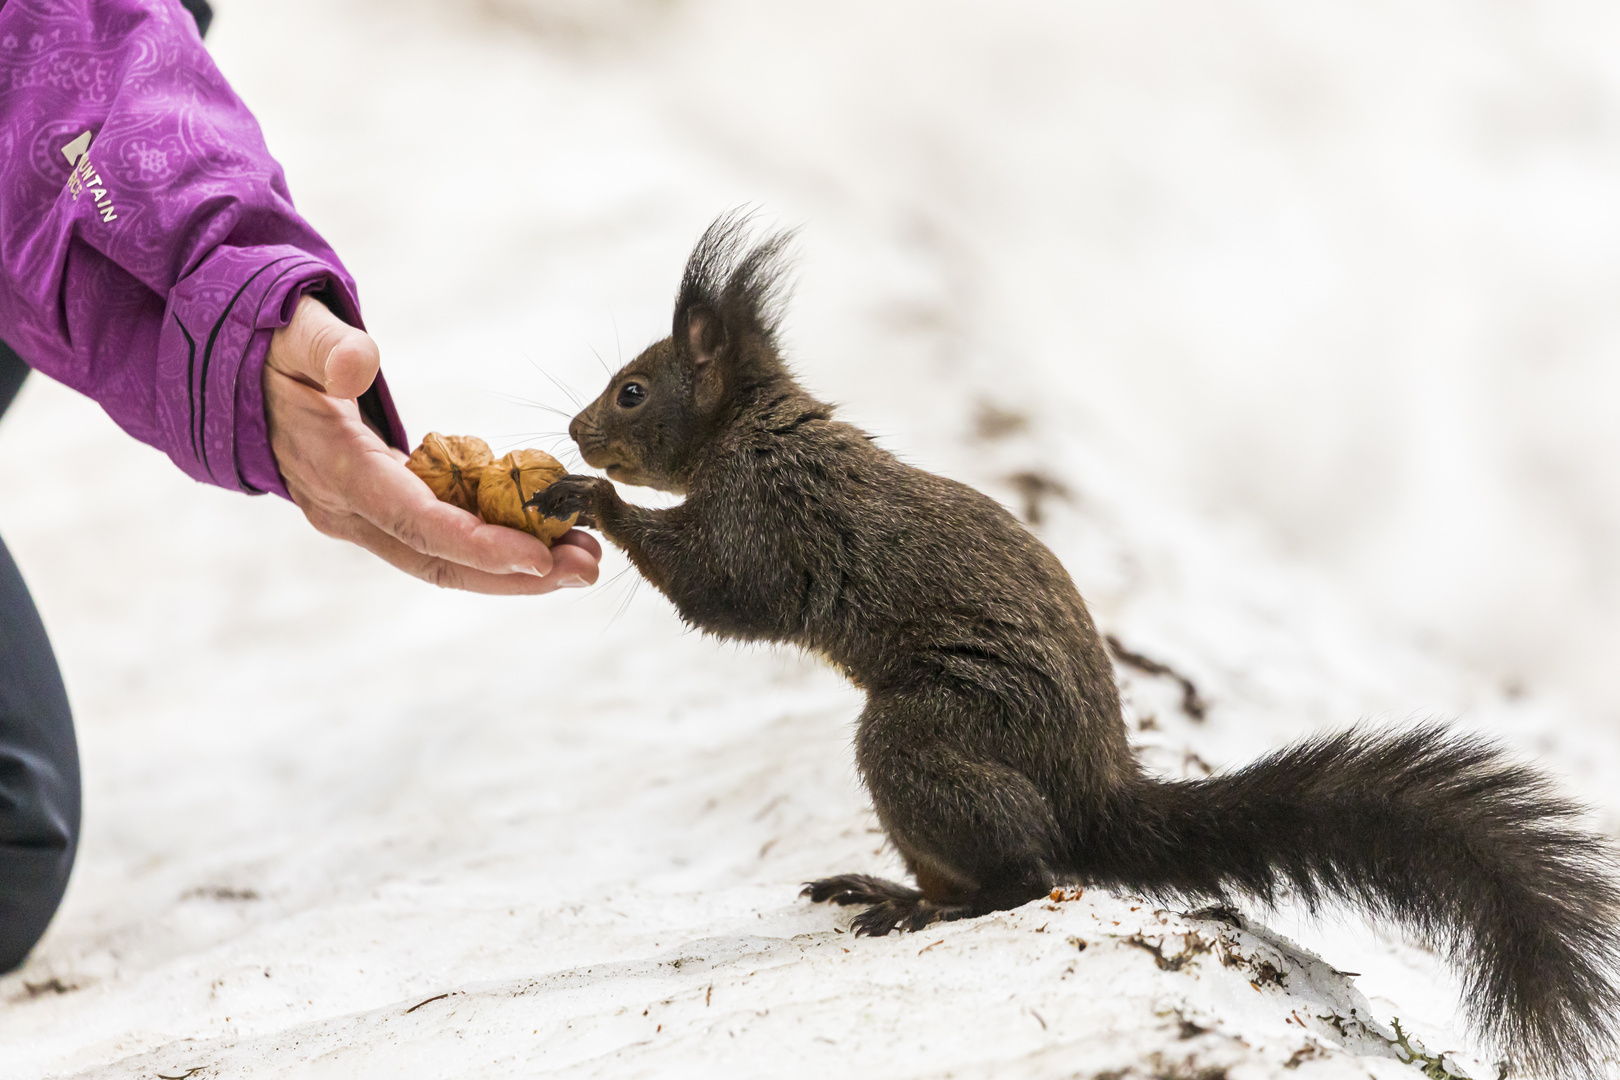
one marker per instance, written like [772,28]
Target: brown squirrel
[992,741]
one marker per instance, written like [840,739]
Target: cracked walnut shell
[450,465]
[505,485]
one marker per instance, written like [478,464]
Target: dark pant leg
[39,774]
[202,11]
[12,373]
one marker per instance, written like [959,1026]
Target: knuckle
[407,530]
[441,574]
[322,342]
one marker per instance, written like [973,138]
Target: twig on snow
[1191,702]
[429,1001]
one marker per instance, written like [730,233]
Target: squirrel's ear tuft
[733,288]
[705,336]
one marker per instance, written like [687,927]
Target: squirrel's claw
[564,497]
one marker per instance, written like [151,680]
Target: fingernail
[572,581]
[535,570]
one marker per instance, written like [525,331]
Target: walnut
[506,485]
[450,465]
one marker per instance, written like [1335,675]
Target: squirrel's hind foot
[891,906]
[887,915]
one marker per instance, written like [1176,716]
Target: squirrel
[992,741]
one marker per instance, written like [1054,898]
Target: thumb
[321,350]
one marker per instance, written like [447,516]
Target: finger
[581,539]
[572,565]
[353,474]
[438,530]
[321,350]
[567,574]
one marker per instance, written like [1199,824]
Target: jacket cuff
[215,337]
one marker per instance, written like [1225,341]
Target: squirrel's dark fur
[992,741]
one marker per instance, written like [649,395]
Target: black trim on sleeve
[199,426]
[191,379]
[241,481]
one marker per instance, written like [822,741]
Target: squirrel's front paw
[569,495]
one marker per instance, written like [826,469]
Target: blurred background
[1345,273]
[1292,328]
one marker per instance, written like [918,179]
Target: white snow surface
[1308,308]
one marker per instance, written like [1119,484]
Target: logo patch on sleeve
[86,178]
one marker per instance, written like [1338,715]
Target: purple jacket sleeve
[148,243]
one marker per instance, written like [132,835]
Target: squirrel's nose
[573,429]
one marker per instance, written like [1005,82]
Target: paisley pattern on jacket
[148,242]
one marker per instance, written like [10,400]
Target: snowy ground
[1306,307]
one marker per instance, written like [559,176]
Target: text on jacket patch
[85,177]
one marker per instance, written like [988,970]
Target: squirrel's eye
[631,394]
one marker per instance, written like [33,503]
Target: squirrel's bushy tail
[1474,853]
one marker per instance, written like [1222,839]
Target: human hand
[352,485]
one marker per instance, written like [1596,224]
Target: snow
[1305,306]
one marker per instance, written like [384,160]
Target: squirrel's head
[664,409]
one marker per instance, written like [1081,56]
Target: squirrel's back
[879,540]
